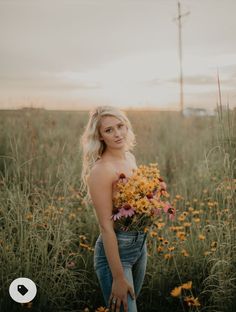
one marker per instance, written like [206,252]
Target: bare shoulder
[101,172]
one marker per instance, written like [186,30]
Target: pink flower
[116,216]
[163,185]
[167,205]
[127,212]
[70,264]
[170,210]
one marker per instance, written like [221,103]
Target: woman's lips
[118,141]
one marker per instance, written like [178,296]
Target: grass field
[47,231]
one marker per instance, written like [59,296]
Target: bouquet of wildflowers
[140,199]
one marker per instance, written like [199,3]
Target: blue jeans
[133,255]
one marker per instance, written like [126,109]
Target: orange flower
[176,292]
[187,285]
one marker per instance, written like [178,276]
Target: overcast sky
[73,53]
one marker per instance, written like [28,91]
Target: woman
[119,257]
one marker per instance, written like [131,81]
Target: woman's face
[113,132]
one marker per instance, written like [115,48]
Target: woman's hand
[119,293]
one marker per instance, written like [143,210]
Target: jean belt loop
[144,238]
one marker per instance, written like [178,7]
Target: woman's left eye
[120,126]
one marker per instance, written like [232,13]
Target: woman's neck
[118,154]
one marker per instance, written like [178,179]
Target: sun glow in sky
[77,54]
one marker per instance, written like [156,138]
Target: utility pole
[178,18]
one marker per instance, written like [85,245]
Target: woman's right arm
[100,189]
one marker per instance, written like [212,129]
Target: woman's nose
[117,132]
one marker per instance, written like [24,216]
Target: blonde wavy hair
[91,145]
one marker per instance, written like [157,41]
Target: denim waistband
[135,235]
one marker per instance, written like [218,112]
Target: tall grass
[47,230]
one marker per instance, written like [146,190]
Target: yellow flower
[72,216]
[184,253]
[160,248]
[187,224]
[201,237]
[29,216]
[187,285]
[181,218]
[102,309]
[27,305]
[176,292]
[192,302]
[213,244]
[178,196]
[181,235]
[168,256]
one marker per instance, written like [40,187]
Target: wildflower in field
[159,225]
[70,265]
[72,216]
[187,224]
[192,302]
[161,239]
[176,292]
[201,237]
[178,196]
[181,235]
[168,256]
[153,234]
[181,218]
[213,244]
[196,220]
[82,237]
[29,216]
[160,248]
[27,305]
[102,309]
[184,253]
[187,285]
[86,246]
[207,253]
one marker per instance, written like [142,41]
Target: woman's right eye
[108,130]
